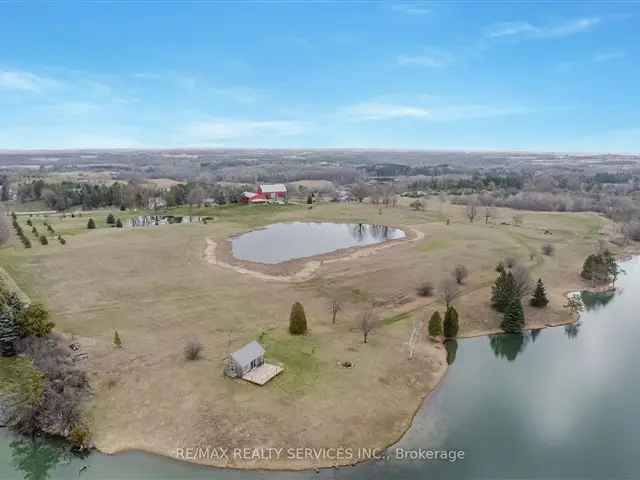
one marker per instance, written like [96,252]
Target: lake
[560,403]
[288,241]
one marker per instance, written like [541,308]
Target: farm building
[273,192]
[248,363]
[266,193]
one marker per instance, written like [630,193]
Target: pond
[288,241]
[556,404]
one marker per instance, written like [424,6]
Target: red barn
[273,192]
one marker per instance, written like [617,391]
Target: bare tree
[193,349]
[335,308]
[416,334]
[489,212]
[548,249]
[517,220]
[360,191]
[368,323]
[471,211]
[460,272]
[522,279]
[417,205]
[448,291]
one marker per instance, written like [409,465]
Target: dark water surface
[560,404]
[287,241]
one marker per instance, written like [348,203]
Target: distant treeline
[65,195]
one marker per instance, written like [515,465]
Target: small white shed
[247,358]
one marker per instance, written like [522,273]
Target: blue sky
[558,76]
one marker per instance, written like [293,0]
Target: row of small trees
[41,237]
[23,238]
[111,220]
[447,328]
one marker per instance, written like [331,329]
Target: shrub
[450,324]
[111,219]
[34,320]
[435,325]
[118,223]
[460,272]
[80,436]
[122,208]
[425,289]
[297,320]
[43,240]
[61,240]
[91,224]
[192,350]
[548,249]
[117,342]
[29,222]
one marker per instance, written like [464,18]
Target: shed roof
[249,352]
[274,188]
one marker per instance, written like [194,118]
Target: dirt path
[309,268]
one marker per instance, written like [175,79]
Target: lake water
[560,404]
[287,241]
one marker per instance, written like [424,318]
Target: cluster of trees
[21,235]
[512,284]
[111,220]
[447,328]
[601,267]
[18,320]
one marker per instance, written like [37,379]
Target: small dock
[262,374]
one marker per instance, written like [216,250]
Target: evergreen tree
[111,219]
[297,320]
[451,325]
[503,291]
[43,240]
[435,325]
[116,340]
[539,298]
[513,320]
[8,332]
[118,223]
[91,224]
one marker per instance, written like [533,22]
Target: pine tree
[297,320]
[435,325]
[503,291]
[118,223]
[539,298]
[513,321]
[91,224]
[451,325]
[116,340]
[43,240]
[111,219]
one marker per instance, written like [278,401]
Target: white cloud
[526,29]
[431,59]
[413,9]
[226,129]
[23,81]
[375,110]
[608,56]
[384,111]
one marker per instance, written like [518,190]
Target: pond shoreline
[300,269]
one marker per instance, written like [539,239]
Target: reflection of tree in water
[35,458]
[379,232]
[573,329]
[452,350]
[358,231]
[596,300]
[508,346]
[534,334]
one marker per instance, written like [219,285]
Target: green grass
[397,318]
[297,354]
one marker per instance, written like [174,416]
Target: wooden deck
[262,374]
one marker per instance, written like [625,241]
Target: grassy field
[155,287]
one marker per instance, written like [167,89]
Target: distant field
[155,287]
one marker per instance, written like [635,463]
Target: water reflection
[534,334]
[451,346]
[508,345]
[596,300]
[572,330]
[155,220]
[35,458]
